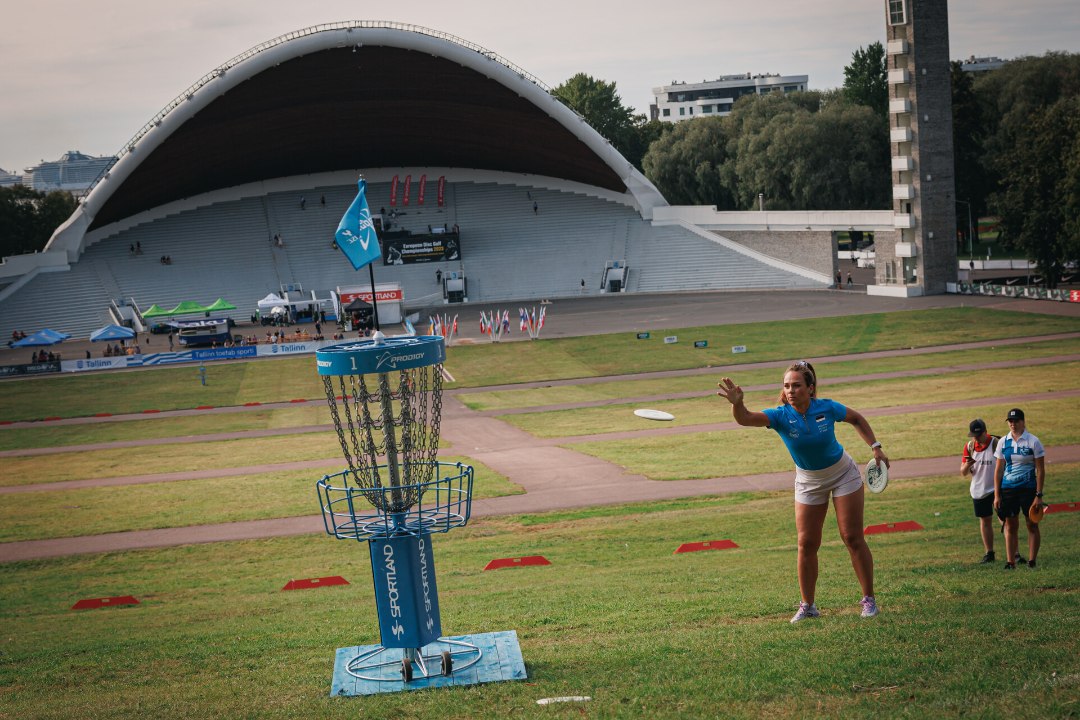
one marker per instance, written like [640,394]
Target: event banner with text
[436,247]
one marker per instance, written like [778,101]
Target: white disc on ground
[877,476]
[654,414]
[569,698]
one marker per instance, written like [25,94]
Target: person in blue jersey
[1018,484]
[806,424]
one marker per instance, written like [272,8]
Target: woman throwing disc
[806,424]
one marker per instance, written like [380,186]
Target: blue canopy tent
[112,332]
[41,337]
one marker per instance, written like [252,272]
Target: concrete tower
[923,259]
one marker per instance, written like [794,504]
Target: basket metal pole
[390,439]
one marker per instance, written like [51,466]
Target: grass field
[616,616]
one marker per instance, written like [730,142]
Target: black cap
[976,428]
[1014,414]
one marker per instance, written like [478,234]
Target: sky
[85,76]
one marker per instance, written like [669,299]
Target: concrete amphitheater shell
[353,96]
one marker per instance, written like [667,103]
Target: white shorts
[812,487]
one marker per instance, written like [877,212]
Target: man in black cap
[978,461]
[1018,484]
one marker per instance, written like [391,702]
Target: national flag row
[533,323]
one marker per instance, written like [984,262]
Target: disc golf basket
[385,397]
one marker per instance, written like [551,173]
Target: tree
[865,79]
[1039,200]
[686,163]
[29,217]
[972,178]
[1029,153]
[599,103]
[802,156]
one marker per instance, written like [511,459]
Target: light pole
[971,251]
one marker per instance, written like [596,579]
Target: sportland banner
[405,192]
[389,295]
[420,194]
[393,191]
[442,190]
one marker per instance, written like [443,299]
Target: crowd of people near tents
[42,356]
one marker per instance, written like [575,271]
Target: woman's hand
[881,457]
[729,390]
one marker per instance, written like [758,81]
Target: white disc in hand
[877,476]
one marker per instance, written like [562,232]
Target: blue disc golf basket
[385,397]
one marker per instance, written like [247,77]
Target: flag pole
[355,236]
[374,302]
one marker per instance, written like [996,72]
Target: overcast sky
[79,75]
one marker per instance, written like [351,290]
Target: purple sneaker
[806,610]
[869,606]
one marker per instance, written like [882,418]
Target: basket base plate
[501,661]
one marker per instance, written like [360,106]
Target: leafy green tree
[973,182]
[28,218]
[866,81]
[686,164]
[1029,154]
[802,157]
[599,103]
[1039,200]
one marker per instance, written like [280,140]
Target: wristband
[875,445]
[1038,495]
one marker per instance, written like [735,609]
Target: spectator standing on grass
[823,468]
[978,462]
[1019,476]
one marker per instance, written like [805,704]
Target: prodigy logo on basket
[390,360]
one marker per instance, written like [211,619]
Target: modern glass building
[686,101]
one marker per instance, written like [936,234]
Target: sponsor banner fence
[438,247]
[1014,291]
[169,358]
[291,348]
[30,369]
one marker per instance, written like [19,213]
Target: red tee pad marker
[892,527]
[309,583]
[252,404]
[52,418]
[205,407]
[517,562]
[1063,507]
[298,400]
[707,545]
[92,603]
[7,422]
[150,412]
[102,414]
